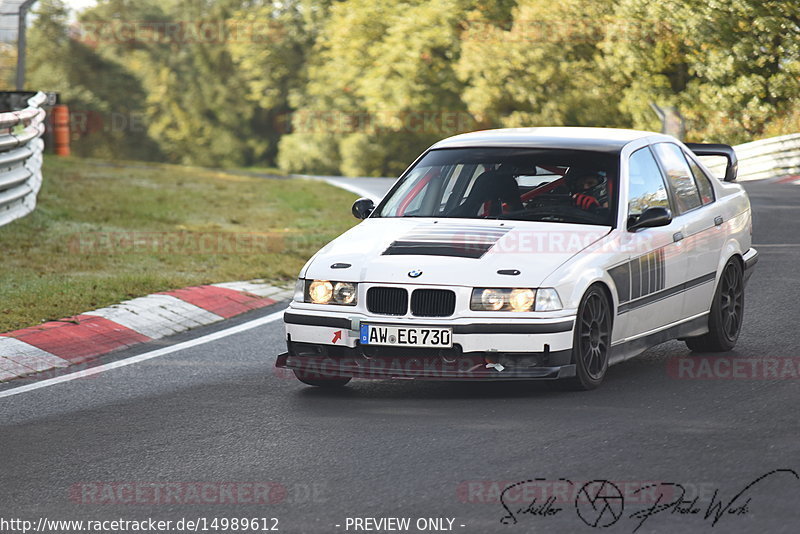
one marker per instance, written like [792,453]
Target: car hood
[451,251]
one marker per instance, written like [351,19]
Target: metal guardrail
[767,158]
[21,159]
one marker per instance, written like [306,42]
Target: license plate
[406,336]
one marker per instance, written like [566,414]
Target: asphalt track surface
[217,413]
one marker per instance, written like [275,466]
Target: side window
[646,187]
[702,180]
[680,177]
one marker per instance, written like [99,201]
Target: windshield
[530,184]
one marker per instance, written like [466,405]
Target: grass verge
[105,232]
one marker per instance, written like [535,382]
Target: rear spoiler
[716,149]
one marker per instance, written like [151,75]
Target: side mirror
[362,208]
[650,218]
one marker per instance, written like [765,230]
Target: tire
[727,312]
[592,340]
[322,382]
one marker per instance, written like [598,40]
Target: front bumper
[327,346]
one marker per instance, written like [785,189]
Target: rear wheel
[321,381]
[592,340]
[727,308]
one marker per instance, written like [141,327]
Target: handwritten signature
[600,503]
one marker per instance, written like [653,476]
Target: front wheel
[727,309]
[592,340]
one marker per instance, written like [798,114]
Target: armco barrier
[767,158]
[21,159]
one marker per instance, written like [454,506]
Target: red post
[61,130]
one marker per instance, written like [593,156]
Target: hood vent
[447,240]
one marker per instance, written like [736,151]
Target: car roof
[609,140]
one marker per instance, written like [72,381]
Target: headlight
[327,292]
[344,293]
[516,300]
[502,299]
[547,300]
[492,299]
[320,291]
[521,299]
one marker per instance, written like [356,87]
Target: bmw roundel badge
[416,273]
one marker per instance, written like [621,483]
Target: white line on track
[271,318]
[344,183]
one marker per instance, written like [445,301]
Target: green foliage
[271,61]
[730,66]
[8,66]
[539,68]
[104,233]
[360,87]
[300,153]
[106,98]
[381,87]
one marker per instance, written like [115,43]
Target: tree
[8,66]
[381,88]
[105,99]
[540,67]
[729,66]
[196,104]
[270,49]
[360,87]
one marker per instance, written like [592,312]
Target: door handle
[677,236]
[718,220]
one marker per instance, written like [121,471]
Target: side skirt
[626,350]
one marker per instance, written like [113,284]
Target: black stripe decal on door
[640,276]
[621,274]
[636,279]
[666,293]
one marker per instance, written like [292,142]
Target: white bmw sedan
[532,253]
